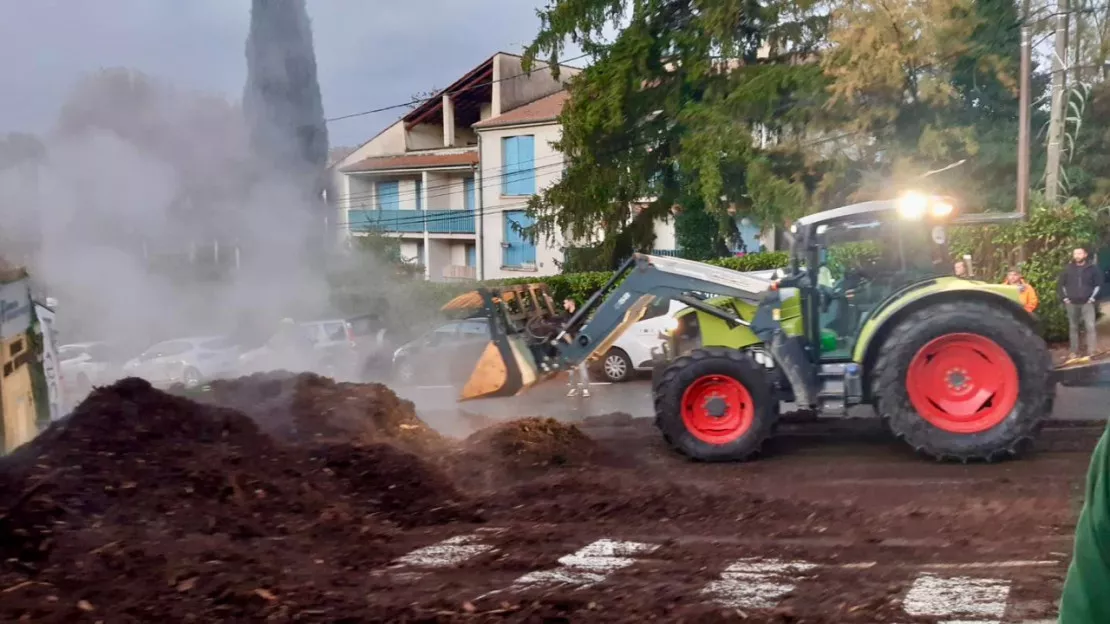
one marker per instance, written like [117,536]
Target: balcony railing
[412,221]
[460,272]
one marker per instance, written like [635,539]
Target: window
[468,193]
[165,349]
[388,195]
[335,331]
[217,344]
[420,252]
[472,329]
[471,255]
[518,162]
[420,194]
[518,250]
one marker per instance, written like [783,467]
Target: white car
[633,350]
[84,365]
[189,361]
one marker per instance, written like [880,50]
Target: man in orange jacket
[1028,296]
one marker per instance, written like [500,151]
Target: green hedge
[1047,239]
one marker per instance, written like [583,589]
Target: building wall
[425,136]
[548,164]
[517,88]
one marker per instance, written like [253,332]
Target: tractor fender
[923,294]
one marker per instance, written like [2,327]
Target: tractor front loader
[868,313]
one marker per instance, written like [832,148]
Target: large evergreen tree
[675,108]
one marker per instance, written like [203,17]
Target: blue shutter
[419,194]
[508,164]
[518,161]
[520,251]
[389,196]
[471,255]
[526,165]
[468,193]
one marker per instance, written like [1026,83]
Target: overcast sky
[368,55]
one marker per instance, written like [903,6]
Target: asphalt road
[438,406]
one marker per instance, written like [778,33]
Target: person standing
[1079,284]
[578,378]
[1028,296]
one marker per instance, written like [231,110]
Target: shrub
[1047,239]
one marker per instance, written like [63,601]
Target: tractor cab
[846,262]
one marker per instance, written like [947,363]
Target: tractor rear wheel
[964,381]
[715,405]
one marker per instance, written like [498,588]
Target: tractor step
[841,387]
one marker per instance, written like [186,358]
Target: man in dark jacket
[1079,285]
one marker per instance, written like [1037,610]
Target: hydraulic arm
[529,343]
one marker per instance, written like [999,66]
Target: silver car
[189,361]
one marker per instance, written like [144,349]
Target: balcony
[459,272]
[412,221]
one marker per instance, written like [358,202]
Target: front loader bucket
[506,365]
[505,368]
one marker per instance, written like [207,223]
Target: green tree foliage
[777,109]
[671,108]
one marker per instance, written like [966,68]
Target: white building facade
[453,177]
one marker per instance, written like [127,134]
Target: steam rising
[153,213]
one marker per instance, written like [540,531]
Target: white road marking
[588,566]
[989,565]
[958,596]
[756,583]
[445,554]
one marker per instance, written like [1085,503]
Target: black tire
[616,366]
[1024,347]
[702,363]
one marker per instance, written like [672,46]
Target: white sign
[50,361]
[15,308]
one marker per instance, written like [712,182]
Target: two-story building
[453,177]
[418,179]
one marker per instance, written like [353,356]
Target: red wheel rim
[963,383]
[717,409]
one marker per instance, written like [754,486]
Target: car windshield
[170,347]
[216,344]
[70,352]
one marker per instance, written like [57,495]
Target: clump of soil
[308,407]
[147,505]
[522,449]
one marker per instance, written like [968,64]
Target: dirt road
[532,521]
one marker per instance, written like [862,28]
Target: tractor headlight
[913,205]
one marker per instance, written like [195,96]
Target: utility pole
[1059,104]
[1023,124]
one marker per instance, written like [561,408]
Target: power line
[419,102]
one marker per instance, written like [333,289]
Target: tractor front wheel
[964,381]
[715,405]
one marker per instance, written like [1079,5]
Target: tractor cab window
[861,261]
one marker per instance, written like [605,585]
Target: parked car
[632,351]
[352,347]
[444,355]
[84,365]
[190,361]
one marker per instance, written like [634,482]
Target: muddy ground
[333,503]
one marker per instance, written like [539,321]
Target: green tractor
[868,313]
